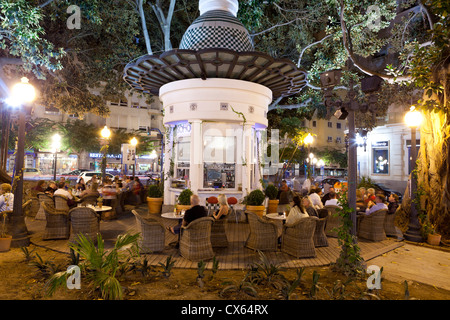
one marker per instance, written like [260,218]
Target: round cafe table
[276,216]
[173,216]
[98,209]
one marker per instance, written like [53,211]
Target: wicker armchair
[34,207]
[8,213]
[263,234]
[57,226]
[371,226]
[152,234]
[298,238]
[195,242]
[389,224]
[89,199]
[84,221]
[43,197]
[334,221]
[61,202]
[320,238]
[218,233]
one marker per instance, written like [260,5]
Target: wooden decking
[235,256]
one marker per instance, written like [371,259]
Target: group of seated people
[108,189]
[198,211]
[311,201]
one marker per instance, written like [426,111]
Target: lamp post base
[413,235]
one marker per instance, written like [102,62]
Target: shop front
[64,162]
[115,166]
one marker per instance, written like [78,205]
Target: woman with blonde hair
[370,200]
[6,197]
[223,207]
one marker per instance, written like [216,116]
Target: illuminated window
[380,157]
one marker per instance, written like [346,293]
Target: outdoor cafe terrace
[235,256]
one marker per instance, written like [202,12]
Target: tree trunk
[433,164]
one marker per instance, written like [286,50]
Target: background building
[130,115]
[386,159]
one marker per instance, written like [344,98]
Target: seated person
[393,203]
[92,190]
[40,187]
[80,186]
[284,193]
[6,197]
[51,188]
[327,195]
[66,193]
[379,204]
[314,196]
[108,192]
[370,196]
[332,200]
[306,202]
[223,208]
[196,211]
[62,191]
[297,212]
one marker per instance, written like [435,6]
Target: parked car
[386,191]
[87,175]
[32,173]
[72,175]
[330,181]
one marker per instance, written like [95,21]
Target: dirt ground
[20,280]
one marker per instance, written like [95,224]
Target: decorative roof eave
[148,73]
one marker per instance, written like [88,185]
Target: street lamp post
[413,118]
[321,164]
[347,109]
[134,143]
[106,133]
[162,152]
[308,140]
[22,93]
[56,144]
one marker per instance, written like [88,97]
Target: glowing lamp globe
[106,132]
[413,118]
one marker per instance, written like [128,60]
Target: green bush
[154,191]
[185,197]
[365,182]
[255,198]
[271,192]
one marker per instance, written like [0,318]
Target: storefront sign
[380,144]
[100,155]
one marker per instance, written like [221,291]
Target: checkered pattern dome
[216,29]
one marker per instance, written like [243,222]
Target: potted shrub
[5,239]
[184,200]
[430,234]
[154,198]
[254,202]
[271,192]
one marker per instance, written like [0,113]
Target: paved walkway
[416,262]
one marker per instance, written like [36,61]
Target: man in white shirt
[62,191]
[315,198]
[379,204]
[332,201]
